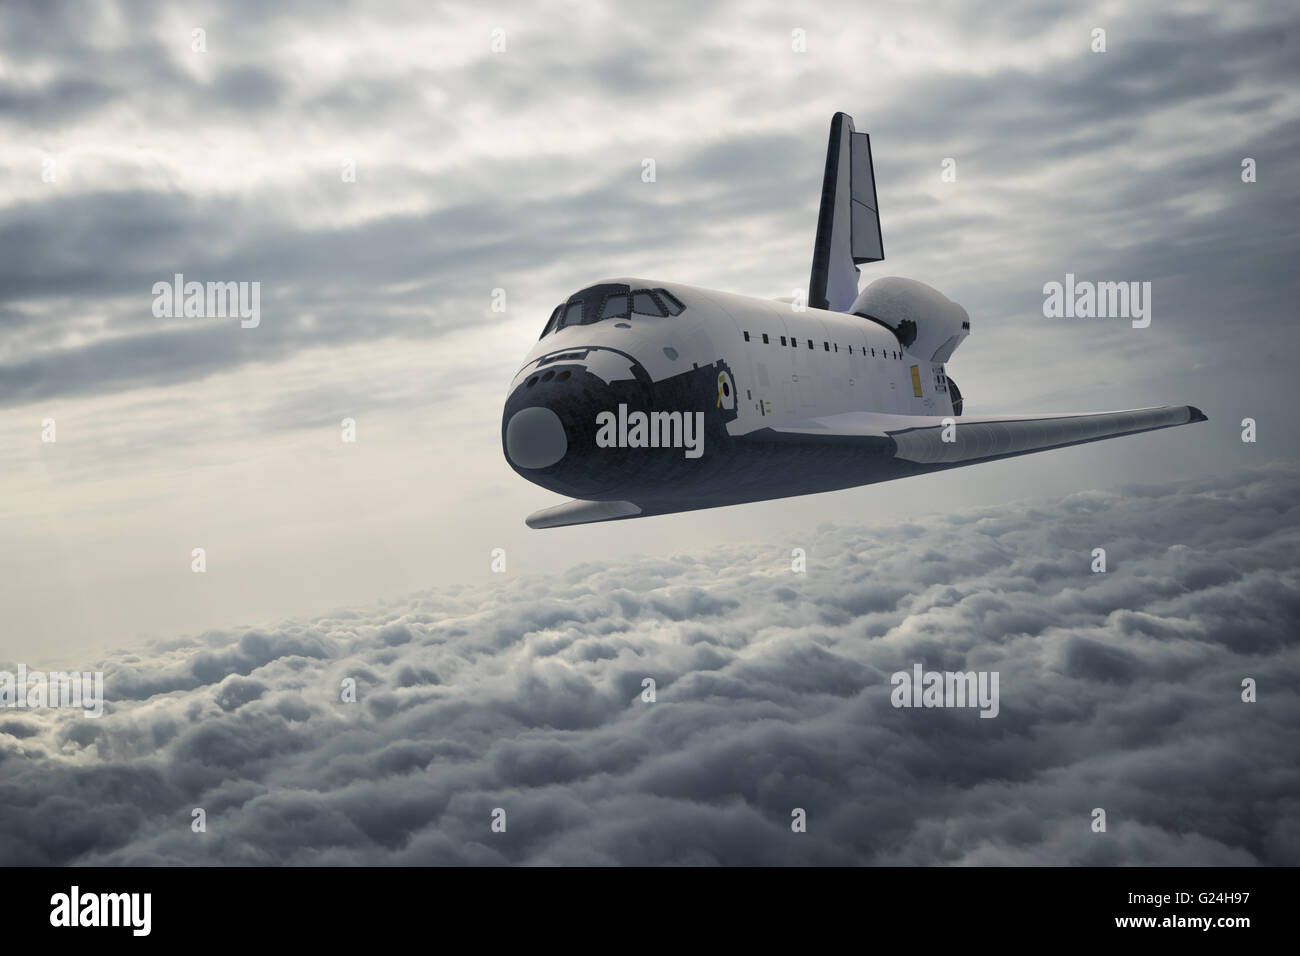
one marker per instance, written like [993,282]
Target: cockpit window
[675,306]
[615,306]
[612,301]
[644,303]
[550,323]
[572,314]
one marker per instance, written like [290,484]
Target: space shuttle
[646,397]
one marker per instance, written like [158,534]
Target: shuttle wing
[581,512]
[917,443]
[921,440]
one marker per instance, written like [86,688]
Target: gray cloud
[1082,157]
[1119,690]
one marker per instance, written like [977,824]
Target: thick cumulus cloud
[1120,690]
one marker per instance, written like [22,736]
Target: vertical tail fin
[848,222]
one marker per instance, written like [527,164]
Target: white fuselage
[853,364]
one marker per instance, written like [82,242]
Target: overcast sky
[521,170]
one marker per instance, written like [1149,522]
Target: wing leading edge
[984,439]
[578,511]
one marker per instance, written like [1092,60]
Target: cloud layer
[1118,690]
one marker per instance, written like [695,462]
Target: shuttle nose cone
[535,437]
